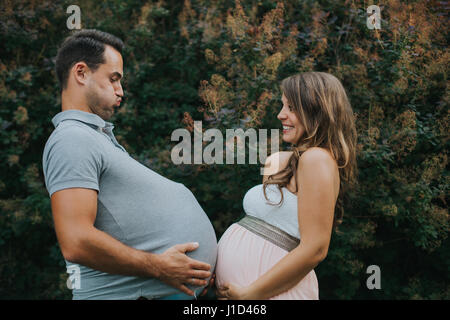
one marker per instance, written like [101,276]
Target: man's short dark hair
[87,46]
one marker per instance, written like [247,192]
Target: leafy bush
[221,62]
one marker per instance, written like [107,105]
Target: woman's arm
[316,176]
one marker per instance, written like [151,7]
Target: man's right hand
[176,269]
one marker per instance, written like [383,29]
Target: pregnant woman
[271,253]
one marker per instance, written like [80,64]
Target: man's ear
[80,72]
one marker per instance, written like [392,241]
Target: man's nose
[119,91]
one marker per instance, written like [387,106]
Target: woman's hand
[232,292]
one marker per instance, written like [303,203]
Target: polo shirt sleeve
[72,159]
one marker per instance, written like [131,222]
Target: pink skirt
[244,256]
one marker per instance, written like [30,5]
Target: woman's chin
[287,139]
[290,140]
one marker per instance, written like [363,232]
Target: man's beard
[98,107]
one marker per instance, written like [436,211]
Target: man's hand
[210,285]
[176,269]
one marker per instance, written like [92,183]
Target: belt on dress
[269,232]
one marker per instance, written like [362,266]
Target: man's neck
[70,101]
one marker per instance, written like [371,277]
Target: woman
[262,256]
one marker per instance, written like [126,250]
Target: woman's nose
[281,116]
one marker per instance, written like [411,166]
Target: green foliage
[221,62]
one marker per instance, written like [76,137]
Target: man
[129,231]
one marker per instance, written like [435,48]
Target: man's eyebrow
[116,74]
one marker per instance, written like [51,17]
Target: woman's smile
[287,128]
[292,127]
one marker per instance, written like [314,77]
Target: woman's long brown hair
[321,105]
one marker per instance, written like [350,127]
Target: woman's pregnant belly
[243,257]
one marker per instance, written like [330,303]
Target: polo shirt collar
[86,117]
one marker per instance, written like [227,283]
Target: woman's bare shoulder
[318,164]
[317,154]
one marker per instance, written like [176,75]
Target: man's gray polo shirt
[136,205]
